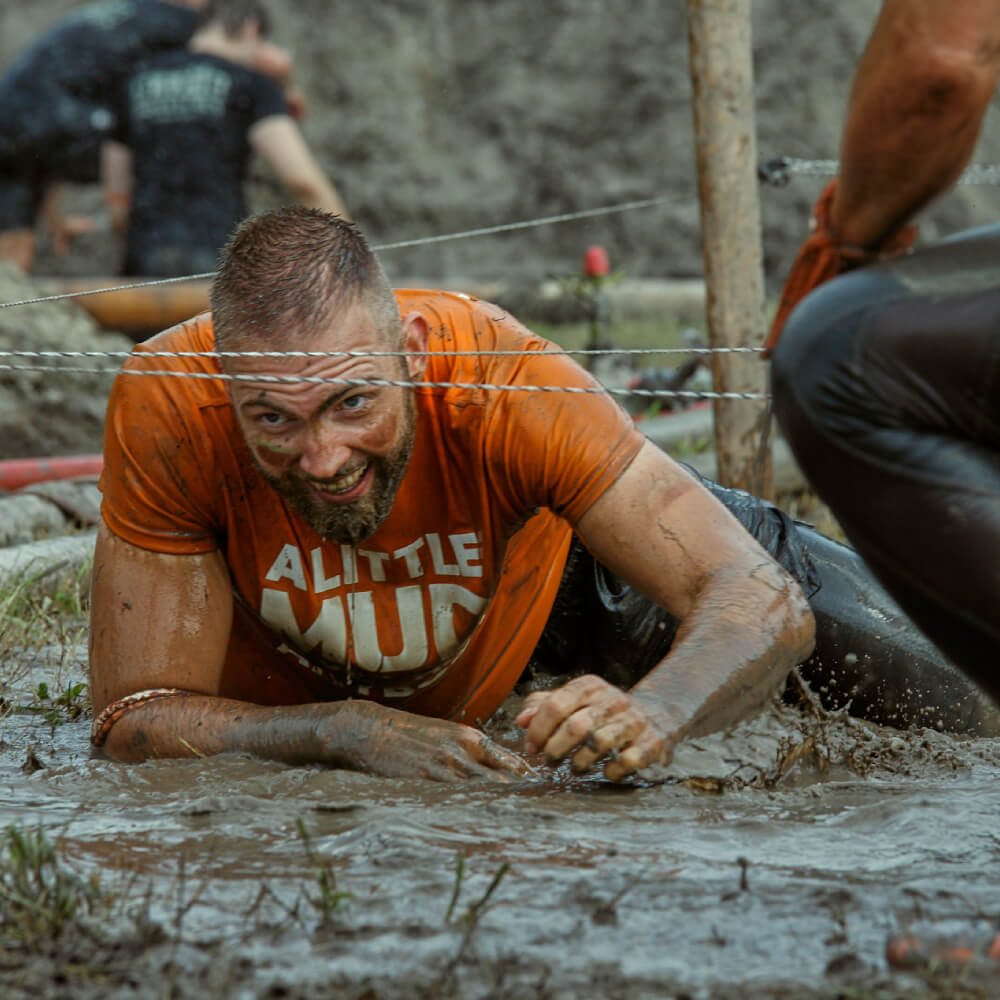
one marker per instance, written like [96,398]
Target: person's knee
[810,344]
[813,375]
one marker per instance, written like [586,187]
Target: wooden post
[726,154]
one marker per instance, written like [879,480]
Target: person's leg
[19,200]
[868,654]
[887,386]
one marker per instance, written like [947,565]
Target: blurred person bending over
[887,380]
[189,121]
[55,114]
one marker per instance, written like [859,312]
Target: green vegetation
[41,613]
[40,897]
[330,898]
[625,336]
[33,612]
[66,706]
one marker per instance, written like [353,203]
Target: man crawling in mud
[348,553]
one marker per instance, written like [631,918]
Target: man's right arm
[159,633]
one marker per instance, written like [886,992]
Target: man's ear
[415,334]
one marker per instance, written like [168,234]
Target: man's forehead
[338,326]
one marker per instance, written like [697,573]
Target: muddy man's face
[336,452]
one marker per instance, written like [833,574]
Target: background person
[886,381]
[189,122]
[54,109]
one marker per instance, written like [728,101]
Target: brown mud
[774,860]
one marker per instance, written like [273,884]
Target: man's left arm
[744,624]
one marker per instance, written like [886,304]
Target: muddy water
[771,861]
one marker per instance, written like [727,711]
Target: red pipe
[18,472]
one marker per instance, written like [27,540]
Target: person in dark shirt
[189,122]
[54,107]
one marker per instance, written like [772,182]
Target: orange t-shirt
[437,612]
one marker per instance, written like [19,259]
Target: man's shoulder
[459,316]
[181,370]
[193,336]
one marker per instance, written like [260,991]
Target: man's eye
[271,419]
[354,402]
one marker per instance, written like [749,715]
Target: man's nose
[324,454]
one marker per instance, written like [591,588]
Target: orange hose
[18,472]
[144,310]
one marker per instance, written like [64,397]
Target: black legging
[887,386]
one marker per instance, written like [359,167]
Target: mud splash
[772,861]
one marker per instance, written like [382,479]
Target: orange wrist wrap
[823,256]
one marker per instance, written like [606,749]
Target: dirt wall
[436,116]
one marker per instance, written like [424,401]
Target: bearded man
[337,519]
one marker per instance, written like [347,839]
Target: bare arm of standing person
[278,140]
[744,624]
[159,631]
[916,107]
[116,183]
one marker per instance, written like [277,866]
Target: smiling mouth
[341,484]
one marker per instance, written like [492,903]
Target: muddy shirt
[63,83]
[186,117]
[439,610]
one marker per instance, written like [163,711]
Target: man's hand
[592,717]
[401,745]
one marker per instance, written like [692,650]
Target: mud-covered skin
[591,719]
[744,624]
[356,735]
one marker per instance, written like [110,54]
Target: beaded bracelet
[113,712]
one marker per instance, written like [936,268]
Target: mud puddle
[773,861]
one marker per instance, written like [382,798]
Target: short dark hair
[233,14]
[284,272]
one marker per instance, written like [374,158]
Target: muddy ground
[773,861]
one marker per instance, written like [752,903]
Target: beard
[351,523]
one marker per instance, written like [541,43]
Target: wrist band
[112,713]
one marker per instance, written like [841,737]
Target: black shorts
[46,137]
[20,197]
[24,180]
[887,385]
